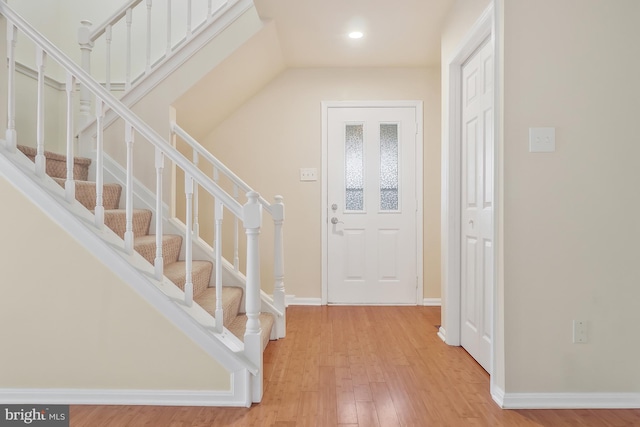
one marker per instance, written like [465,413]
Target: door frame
[417,105]
[485,27]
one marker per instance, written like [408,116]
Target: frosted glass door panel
[354,167]
[389,167]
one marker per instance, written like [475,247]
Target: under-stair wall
[74,331]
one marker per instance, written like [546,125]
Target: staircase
[145,244]
[219,306]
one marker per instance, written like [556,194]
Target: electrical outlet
[579,331]
[308,174]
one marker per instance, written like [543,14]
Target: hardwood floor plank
[360,366]
[384,405]
[367,415]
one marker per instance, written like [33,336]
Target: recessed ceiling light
[356,35]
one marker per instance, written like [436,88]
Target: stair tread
[201,274]
[56,164]
[86,193]
[239,326]
[231,299]
[115,219]
[146,246]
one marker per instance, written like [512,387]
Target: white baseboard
[568,400]
[292,300]
[442,334]
[497,394]
[119,397]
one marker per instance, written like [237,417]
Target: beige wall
[570,217]
[269,138]
[96,332]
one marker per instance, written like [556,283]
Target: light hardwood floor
[360,366]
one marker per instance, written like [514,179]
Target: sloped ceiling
[313,33]
[231,83]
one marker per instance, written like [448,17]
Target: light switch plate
[308,174]
[542,140]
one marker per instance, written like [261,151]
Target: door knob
[335,221]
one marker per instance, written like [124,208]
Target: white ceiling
[398,33]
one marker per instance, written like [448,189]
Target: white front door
[477,206]
[372,205]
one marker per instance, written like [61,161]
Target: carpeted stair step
[146,246]
[86,194]
[201,274]
[57,163]
[231,299]
[239,326]
[116,220]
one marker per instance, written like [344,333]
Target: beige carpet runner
[145,243]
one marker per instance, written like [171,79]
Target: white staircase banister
[113,19]
[110,101]
[175,128]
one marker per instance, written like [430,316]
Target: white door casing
[372,254]
[476,247]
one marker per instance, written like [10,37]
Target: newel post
[278,267]
[252,219]
[86,46]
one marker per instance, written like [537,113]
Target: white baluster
[209,9]
[168,50]
[70,185]
[278,267]
[236,235]
[219,210]
[128,234]
[196,220]
[99,211]
[159,261]
[188,286]
[86,46]
[41,161]
[108,37]
[148,63]
[216,179]
[252,219]
[127,83]
[11,136]
[189,30]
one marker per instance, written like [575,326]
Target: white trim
[451,186]
[432,302]
[442,334]
[418,106]
[292,300]
[31,73]
[571,401]
[451,173]
[129,397]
